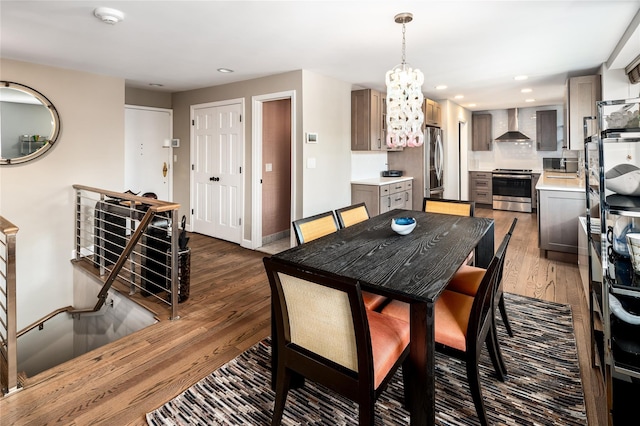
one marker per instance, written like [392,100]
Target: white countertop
[379,181]
[557,181]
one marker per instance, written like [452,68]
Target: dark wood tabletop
[416,266]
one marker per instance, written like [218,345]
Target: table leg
[485,249]
[420,378]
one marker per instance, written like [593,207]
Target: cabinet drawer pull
[406,196]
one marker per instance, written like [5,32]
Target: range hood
[513,135]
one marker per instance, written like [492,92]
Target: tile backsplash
[516,155]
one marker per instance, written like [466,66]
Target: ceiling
[475,47]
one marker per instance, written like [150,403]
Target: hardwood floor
[229,311]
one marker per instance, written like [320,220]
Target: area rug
[543,386]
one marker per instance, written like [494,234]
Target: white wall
[456,184]
[326,106]
[616,85]
[37,196]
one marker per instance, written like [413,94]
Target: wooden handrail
[43,320]
[7,227]
[157,206]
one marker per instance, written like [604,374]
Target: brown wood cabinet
[581,96]
[546,130]
[432,113]
[480,189]
[481,131]
[368,121]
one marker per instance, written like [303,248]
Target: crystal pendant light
[404,99]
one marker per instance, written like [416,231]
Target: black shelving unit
[616,348]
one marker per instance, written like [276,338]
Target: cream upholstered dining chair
[313,227]
[463,324]
[324,333]
[351,215]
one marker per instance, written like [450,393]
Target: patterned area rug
[543,385]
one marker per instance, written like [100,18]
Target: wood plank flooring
[227,312]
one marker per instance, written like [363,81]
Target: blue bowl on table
[403,225]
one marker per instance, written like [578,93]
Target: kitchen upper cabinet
[368,121]
[481,132]
[432,113]
[581,96]
[546,130]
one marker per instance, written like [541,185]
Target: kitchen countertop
[558,181]
[379,181]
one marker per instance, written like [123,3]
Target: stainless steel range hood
[513,134]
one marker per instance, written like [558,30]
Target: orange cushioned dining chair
[351,215]
[467,280]
[464,323]
[325,334]
[455,207]
[314,227]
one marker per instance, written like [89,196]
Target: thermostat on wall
[312,138]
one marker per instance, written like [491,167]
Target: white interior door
[147,159]
[217,142]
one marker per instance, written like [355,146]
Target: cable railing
[8,332]
[131,239]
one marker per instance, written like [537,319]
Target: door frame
[256,149]
[168,147]
[192,154]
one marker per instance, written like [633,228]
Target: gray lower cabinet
[558,213]
[480,189]
[382,198]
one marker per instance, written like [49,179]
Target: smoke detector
[108,15]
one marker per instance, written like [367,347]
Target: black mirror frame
[57,124]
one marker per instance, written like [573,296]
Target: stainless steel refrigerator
[434,163]
[425,164]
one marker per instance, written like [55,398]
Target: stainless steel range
[512,189]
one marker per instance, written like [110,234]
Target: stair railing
[8,336]
[130,238]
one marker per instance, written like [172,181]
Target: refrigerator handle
[439,163]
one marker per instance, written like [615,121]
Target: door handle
[164,169]
[214,179]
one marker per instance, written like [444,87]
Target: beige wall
[182,102]
[148,98]
[37,196]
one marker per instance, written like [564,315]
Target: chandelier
[404,99]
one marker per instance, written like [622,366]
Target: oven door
[512,192]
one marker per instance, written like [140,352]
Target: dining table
[414,268]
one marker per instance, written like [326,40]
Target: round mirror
[29,123]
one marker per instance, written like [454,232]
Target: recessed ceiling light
[529,100]
[472,105]
[108,15]
[156,84]
[520,77]
[441,87]
[224,70]
[527,90]
[459,97]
